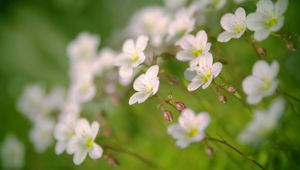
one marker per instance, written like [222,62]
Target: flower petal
[281,6]
[60,147]
[125,71]
[184,56]
[224,36]
[240,13]
[142,42]
[96,152]
[152,72]
[216,68]
[228,22]
[79,157]
[94,129]
[261,35]
[128,46]
[255,21]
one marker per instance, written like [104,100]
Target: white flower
[55,98]
[146,85]
[132,56]
[12,153]
[263,123]
[175,4]
[64,131]
[42,133]
[267,18]
[233,24]
[104,61]
[182,24]
[262,82]
[84,47]
[203,73]
[145,22]
[82,143]
[190,127]
[193,47]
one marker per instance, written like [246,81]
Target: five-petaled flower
[146,85]
[262,82]
[267,18]
[190,127]
[133,55]
[82,143]
[203,73]
[233,24]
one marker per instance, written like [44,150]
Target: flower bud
[289,45]
[222,98]
[231,89]
[111,160]
[180,106]
[209,151]
[261,51]
[168,116]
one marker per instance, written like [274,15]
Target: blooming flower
[182,24]
[262,82]
[146,85]
[190,127]
[267,18]
[132,56]
[233,24]
[12,153]
[64,131]
[193,47]
[203,73]
[41,134]
[84,47]
[82,143]
[263,123]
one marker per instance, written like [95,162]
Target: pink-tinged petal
[186,118]
[189,74]
[225,36]
[128,46]
[261,69]
[265,7]
[202,120]
[194,85]
[251,85]
[240,13]
[254,99]
[73,145]
[206,60]
[138,84]
[79,157]
[187,42]
[281,6]
[125,71]
[60,147]
[176,131]
[155,86]
[142,42]
[216,68]
[199,137]
[255,22]
[82,128]
[152,72]
[96,152]
[183,143]
[184,56]
[228,22]
[138,97]
[261,35]
[201,39]
[94,129]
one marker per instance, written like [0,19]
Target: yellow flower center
[197,52]
[239,28]
[206,78]
[271,22]
[192,132]
[266,85]
[89,143]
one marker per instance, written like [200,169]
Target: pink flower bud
[231,89]
[168,115]
[180,106]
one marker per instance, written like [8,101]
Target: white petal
[205,85]
[141,43]
[96,152]
[202,119]
[176,131]
[139,84]
[60,147]
[184,56]
[261,69]
[183,143]
[138,97]
[261,35]
[254,99]
[79,157]
[82,128]
[72,146]
[274,68]
[216,68]
[240,13]
[281,6]
[125,71]
[265,6]
[251,84]
[206,60]
[186,118]
[255,22]
[128,46]
[152,72]
[94,129]
[224,36]
[201,39]
[187,42]
[194,85]
[228,22]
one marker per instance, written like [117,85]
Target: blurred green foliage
[33,39]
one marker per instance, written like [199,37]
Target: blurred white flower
[104,61]
[84,47]
[182,24]
[193,47]
[55,99]
[239,1]
[190,127]
[132,56]
[218,4]
[263,123]
[82,143]
[42,133]
[146,85]
[12,153]
[233,24]
[267,18]
[146,22]
[175,4]
[64,131]
[262,82]
[203,73]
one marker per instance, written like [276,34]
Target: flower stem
[222,141]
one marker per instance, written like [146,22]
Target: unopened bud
[168,115]
[231,89]
[209,151]
[289,45]
[222,98]
[111,160]
[261,51]
[180,106]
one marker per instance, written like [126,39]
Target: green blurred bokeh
[33,39]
